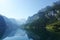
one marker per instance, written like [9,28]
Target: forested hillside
[45,25]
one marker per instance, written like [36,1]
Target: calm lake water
[19,35]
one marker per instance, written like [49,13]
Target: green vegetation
[54,27]
[47,26]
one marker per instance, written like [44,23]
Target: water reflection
[19,35]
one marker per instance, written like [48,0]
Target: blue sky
[22,9]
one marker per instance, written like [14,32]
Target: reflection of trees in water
[38,27]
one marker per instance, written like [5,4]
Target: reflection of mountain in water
[9,30]
[45,25]
[19,35]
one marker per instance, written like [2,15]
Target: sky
[22,9]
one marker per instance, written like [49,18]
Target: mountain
[3,26]
[7,27]
[45,24]
[10,29]
[35,17]
[45,12]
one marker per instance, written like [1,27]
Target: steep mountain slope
[3,26]
[7,27]
[39,26]
[11,27]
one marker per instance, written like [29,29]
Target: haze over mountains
[44,25]
[9,27]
